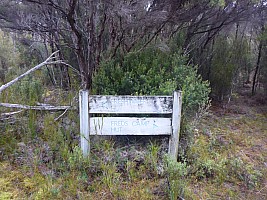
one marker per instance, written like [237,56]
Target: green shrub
[152,72]
[30,90]
[245,172]
[230,66]
[152,159]
[9,55]
[222,69]
[176,174]
[27,91]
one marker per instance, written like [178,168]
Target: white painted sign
[130,104]
[130,126]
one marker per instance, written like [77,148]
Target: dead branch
[71,104]
[10,113]
[42,107]
[49,61]
[57,118]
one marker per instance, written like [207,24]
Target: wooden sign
[130,126]
[130,104]
[167,106]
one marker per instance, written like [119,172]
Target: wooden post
[84,121]
[176,120]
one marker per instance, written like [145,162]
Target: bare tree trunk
[256,70]
[77,38]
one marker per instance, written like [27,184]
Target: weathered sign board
[129,126]
[130,104]
[165,120]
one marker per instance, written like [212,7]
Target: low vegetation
[223,146]
[40,158]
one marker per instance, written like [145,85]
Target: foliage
[229,64]
[40,157]
[215,154]
[222,69]
[152,72]
[243,58]
[152,159]
[116,30]
[176,173]
[220,3]
[30,90]
[262,77]
[9,55]
[50,165]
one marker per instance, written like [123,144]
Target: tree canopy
[87,32]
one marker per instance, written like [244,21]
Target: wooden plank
[130,104]
[84,121]
[130,126]
[176,120]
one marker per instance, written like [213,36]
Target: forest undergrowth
[229,155]
[227,160]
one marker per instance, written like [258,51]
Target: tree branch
[10,113]
[42,107]
[48,61]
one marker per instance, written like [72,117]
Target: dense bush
[152,72]
[230,65]
[262,77]
[30,90]
[9,55]
[222,69]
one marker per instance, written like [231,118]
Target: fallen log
[41,107]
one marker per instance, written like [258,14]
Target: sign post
[176,121]
[163,115]
[84,121]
